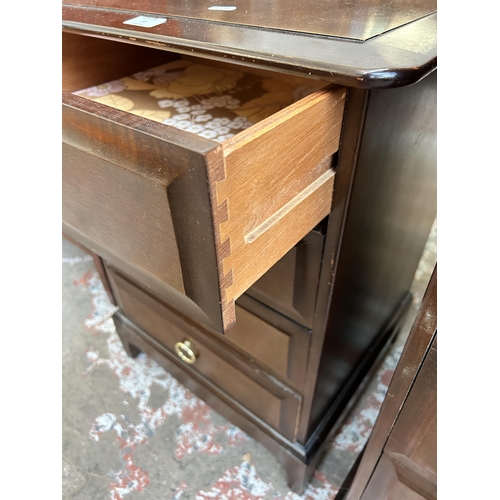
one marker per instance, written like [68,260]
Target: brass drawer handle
[185,351]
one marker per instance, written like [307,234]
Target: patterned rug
[131,431]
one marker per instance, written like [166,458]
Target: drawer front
[126,215]
[276,342]
[290,286]
[233,209]
[276,405]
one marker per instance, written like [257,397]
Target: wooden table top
[358,43]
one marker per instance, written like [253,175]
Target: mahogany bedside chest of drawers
[257,181]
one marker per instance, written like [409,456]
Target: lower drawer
[270,401]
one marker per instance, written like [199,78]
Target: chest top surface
[351,19]
[358,43]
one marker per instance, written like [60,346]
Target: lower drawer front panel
[272,404]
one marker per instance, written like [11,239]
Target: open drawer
[197,220]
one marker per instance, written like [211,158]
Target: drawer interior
[212,100]
[264,142]
[88,61]
[208,98]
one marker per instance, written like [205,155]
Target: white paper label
[222,7]
[145,22]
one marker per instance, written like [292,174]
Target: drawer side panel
[274,186]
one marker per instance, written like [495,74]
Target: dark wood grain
[200,246]
[408,465]
[317,325]
[357,20]
[400,57]
[409,434]
[386,483]
[298,462]
[384,205]
[274,403]
[118,178]
[290,286]
[298,339]
[89,61]
[144,147]
[122,213]
[354,383]
[414,434]
[290,454]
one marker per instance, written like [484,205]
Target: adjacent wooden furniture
[400,460]
[268,272]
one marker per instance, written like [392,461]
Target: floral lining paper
[212,102]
